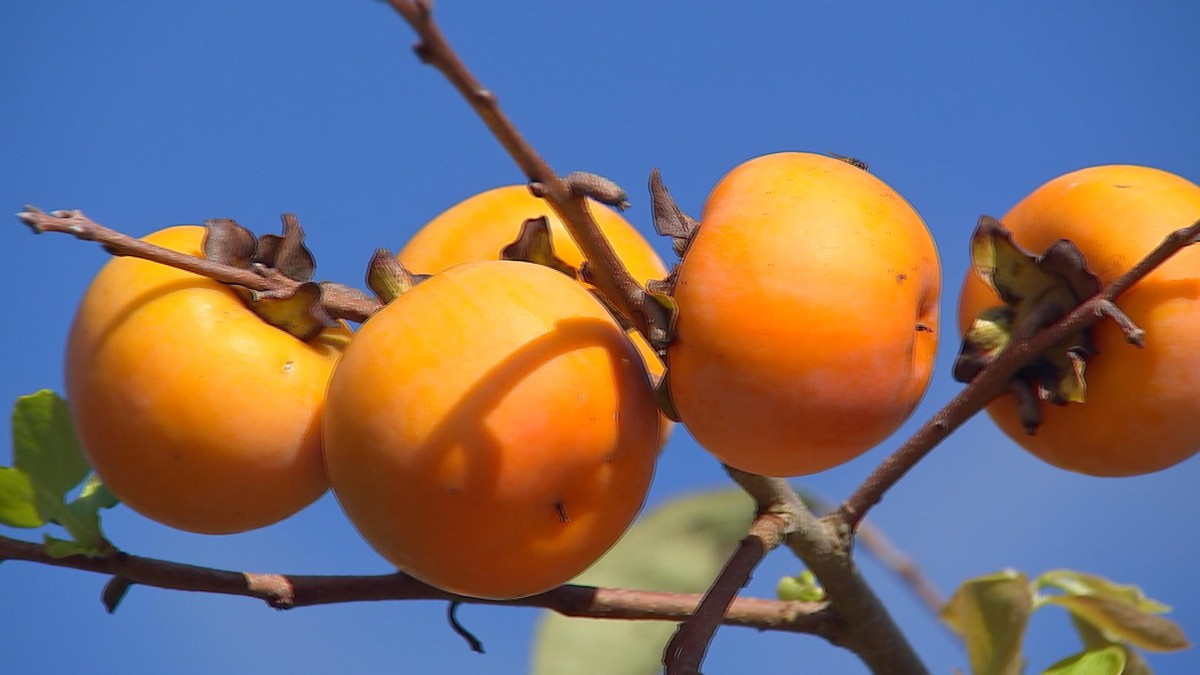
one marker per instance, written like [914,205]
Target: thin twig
[612,278]
[340,302]
[288,591]
[993,380]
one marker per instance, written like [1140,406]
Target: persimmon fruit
[478,227]
[1142,408]
[808,315]
[491,431]
[192,409]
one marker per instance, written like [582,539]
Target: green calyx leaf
[991,614]
[49,463]
[1036,291]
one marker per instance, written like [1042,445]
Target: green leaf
[62,548]
[681,546]
[1079,583]
[1122,621]
[17,508]
[991,614]
[45,446]
[49,463]
[1106,661]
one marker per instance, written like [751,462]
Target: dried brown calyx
[1036,291]
[294,305]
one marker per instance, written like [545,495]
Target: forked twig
[341,302]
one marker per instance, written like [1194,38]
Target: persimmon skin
[808,315]
[1142,411]
[491,432]
[477,228]
[195,412]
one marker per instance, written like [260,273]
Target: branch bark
[283,591]
[611,276]
[340,302]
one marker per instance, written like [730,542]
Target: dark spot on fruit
[901,278]
[922,328]
[562,512]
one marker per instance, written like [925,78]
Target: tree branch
[340,302]
[775,505]
[611,277]
[287,591]
[993,380]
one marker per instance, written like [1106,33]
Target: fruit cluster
[494,428]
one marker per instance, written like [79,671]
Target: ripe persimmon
[480,226]
[491,431]
[1141,412]
[192,409]
[808,315]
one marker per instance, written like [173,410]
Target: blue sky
[146,114]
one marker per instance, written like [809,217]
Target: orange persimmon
[808,315]
[1142,406]
[192,409]
[491,431]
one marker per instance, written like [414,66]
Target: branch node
[114,592]
[1134,335]
[599,188]
[275,589]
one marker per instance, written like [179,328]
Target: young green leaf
[1080,583]
[991,614]
[45,447]
[1107,661]
[1122,621]
[49,464]
[802,587]
[16,499]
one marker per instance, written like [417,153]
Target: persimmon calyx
[1036,291]
[297,308]
[669,219]
[535,244]
[388,279]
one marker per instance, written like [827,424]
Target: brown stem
[863,624]
[686,650]
[611,276]
[993,380]
[288,591]
[341,302]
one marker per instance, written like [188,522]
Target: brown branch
[993,380]
[776,504]
[288,591]
[902,565]
[611,277]
[341,302]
